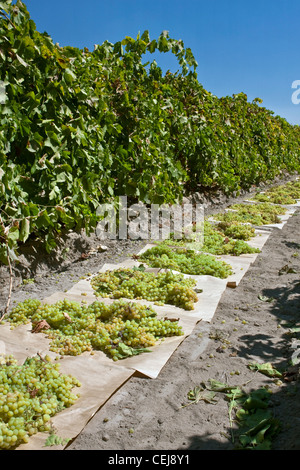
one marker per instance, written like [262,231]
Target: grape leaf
[126,351]
[54,440]
[266,369]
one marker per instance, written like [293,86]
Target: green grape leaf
[198,393]
[24,229]
[54,440]
[266,369]
[221,387]
[126,351]
[13,234]
[263,298]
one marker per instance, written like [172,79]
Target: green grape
[256,214]
[23,311]
[92,327]
[225,238]
[30,394]
[275,198]
[186,261]
[283,194]
[237,230]
[136,284]
[262,208]
[218,243]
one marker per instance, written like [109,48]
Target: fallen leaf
[198,393]
[286,270]
[67,317]
[233,354]
[266,369]
[54,440]
[126,351]
[172,319]
[263,298]
[41,325]
[292,373]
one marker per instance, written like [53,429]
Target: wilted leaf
[266,369]
[198,393]
[292,373]
[41,325]
[127,351]
[222,387]
[263,298]
[67,317]
[54,440]
[286,270]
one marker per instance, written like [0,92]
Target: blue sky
[249,46]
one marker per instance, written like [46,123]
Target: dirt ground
[148,414]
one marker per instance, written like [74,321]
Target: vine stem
[7,18]
[10,274]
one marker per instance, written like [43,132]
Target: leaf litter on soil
[250,411]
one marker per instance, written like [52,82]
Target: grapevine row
[79,128]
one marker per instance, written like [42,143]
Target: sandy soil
[147,414]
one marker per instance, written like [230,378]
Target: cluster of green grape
[223,238]
[237,230]
[256,214]
[266,210]
[217,243]
[30,395]
[22,312]
[119,329]
[283,194]
[184,260]
[237,248]
[162,288]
